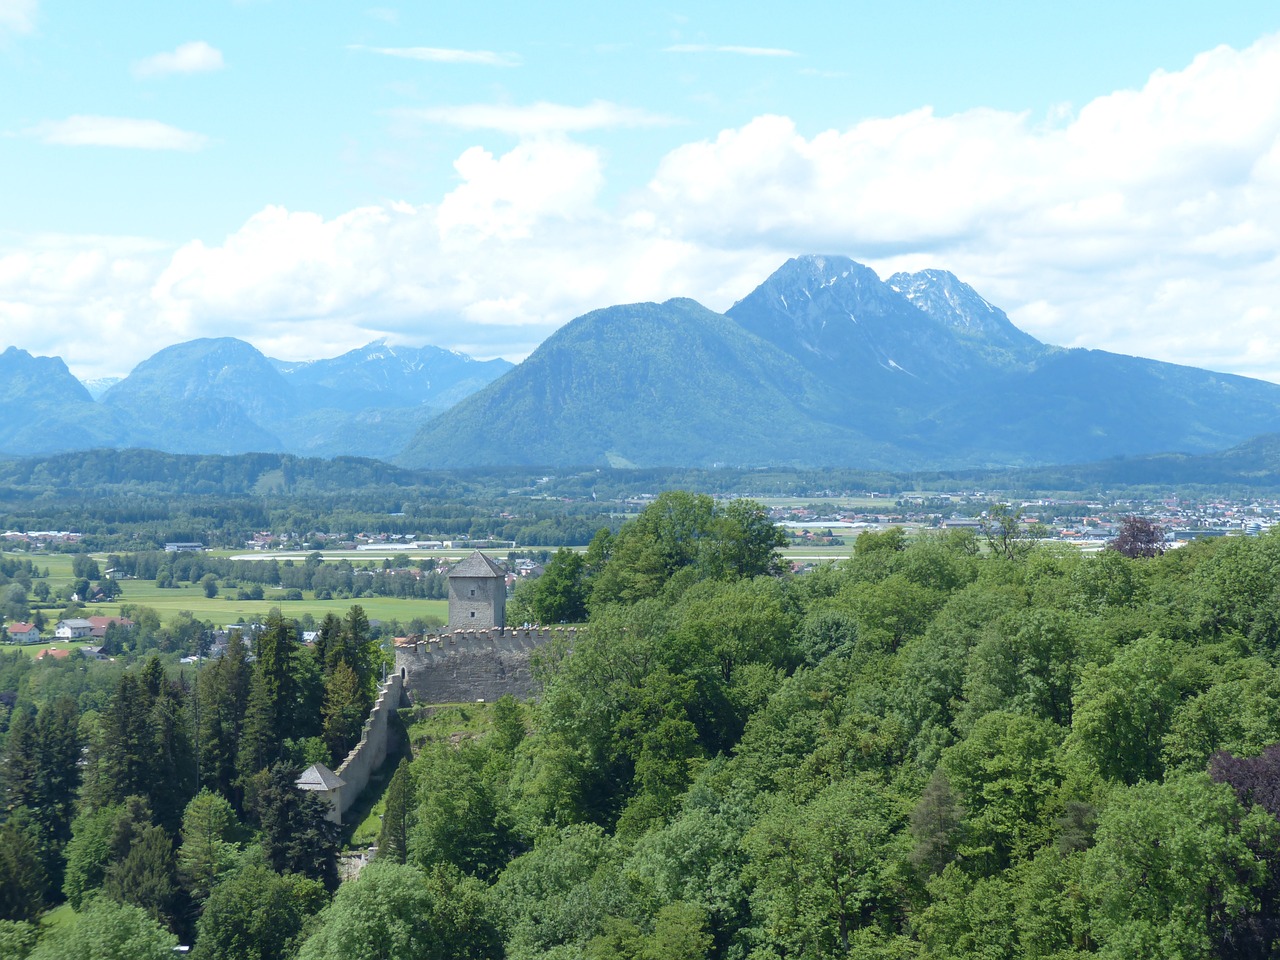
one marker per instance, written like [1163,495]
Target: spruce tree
[223,699]
[271,714]
[344,711]
[145,876]
[393,839]
[208,849]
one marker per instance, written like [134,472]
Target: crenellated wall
[367,755]
[470,665]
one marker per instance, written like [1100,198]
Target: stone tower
[477,594]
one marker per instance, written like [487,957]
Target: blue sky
[312,176]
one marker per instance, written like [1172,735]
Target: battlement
[465,665]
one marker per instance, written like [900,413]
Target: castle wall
[368,755]
[472,665]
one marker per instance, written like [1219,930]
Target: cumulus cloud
[537,119]
[127,132]
[486,58]
[740,51]
[194,57]
[1074,226]
[1143,222]
[17,16]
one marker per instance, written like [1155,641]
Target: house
[57,653]
[24,633]
[74,629]
[98,625]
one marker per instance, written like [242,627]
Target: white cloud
[1075,226]
[128,132]
[1143,222]
[194,57]
[537,119]
[740,51]
[17,16]
[486,58]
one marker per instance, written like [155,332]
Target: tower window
[473,614]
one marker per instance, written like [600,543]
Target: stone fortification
[368,755]
[469,665]
[477,594]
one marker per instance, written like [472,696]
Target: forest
[946,746]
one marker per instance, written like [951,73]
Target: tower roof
[476,565]
[319,777]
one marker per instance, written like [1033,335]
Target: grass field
[32,649]
[223,609]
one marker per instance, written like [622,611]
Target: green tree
[821,870]
[1003,530]
[1177,869]
[17,939]
[1124,710]
[145,877]
[560,594]
[394,910]
[208,848]
[223,696]
[1006,775]
[456,818]
[344,711]
[256,914]
[297,836]
[393,838]
[22,875]
[107,930]
[271,713]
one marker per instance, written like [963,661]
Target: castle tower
[477,594]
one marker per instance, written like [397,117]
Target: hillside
[642,384]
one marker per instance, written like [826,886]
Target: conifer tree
[344,711]
[208,850]
[22,876]
[223,699]
[145,876]
[393,839]
[271,714]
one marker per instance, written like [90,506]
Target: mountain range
[823,364]
[826,364]
[223,396]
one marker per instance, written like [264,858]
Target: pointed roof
[319,777]
[476,565]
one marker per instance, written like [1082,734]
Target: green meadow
[225,608]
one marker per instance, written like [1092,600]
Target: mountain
[825,364]
[380,376]
[641,384]
[205,396]
[44,409]
[100,385]
[223,396]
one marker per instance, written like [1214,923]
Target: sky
[313,176]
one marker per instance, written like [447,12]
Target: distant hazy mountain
[379,376]
[206,396]
[825,364]
[44,409]
[222,396]
[100,385]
